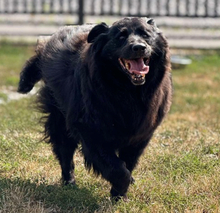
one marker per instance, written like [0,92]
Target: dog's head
[129,44]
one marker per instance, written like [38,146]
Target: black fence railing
[178,8]
[39,6]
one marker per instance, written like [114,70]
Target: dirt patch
[8,94]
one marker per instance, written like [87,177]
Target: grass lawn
[179,171]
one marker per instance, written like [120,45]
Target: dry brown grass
[179,171]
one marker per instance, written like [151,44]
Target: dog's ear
[151,22]
[96,31]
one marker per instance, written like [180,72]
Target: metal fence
[178,8]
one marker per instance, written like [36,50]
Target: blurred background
[186,23]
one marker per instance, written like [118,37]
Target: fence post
[81,12]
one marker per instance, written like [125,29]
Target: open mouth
[136,69]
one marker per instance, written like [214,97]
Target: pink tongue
[138,67]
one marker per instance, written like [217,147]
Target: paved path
[199,33]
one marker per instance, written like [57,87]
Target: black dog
[105,87]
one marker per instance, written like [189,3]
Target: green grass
[12,58]
[179,171]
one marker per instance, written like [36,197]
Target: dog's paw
[115,196]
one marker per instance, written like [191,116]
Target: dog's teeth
[137,77]
[127,66]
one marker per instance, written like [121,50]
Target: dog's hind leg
[64,152]
[63,145]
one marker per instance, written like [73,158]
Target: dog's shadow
[65,198]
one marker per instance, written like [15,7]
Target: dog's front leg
[104,161]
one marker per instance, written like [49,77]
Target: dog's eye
[145,35]
[123,34]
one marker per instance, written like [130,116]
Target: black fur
[89,95]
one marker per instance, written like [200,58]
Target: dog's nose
[138,47]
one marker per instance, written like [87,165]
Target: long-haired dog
[106,87]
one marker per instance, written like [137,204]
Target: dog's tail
[29,75]
[31,72]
